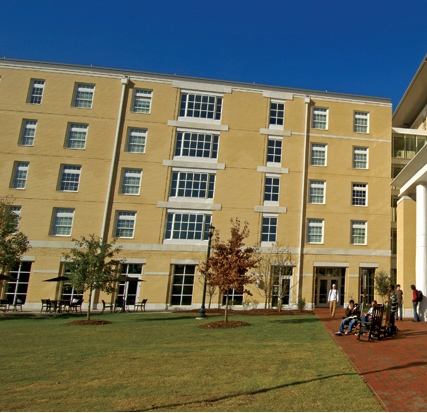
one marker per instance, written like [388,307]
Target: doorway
[325,277]
[324,285]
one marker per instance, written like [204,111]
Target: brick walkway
[395,368]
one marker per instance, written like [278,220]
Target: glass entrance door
[323,286]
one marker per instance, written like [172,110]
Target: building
[153,159]
[410,188]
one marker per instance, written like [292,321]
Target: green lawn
[167,362]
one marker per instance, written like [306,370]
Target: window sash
[271,189]
[17,287]
[277,113]
[318,154]
[359,194]
[63,221]
[269,229]
[137,139]
[183,284]
[187,226]
[320,118]
[70,178]
[274,151]
[28,132]
[315,231]
[131,181]
[360,158]
[361,122]
[200,106]
[196,145]
[142,101]
[192,185]
[125,224]
[84,96]
[77,135]
[317,192]
[36,95]
[20,175]
[358,232]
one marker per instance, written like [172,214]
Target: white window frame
[192,181]
[131,181]
[317,190]
[28,132]
[357,189]
[84,94]
[363,154]
[359,231]
[122,218]
[272,182]
[75,133]
[16,209]
[214,99]
[320,118]
[277,120]
[67,178]
[20,175]
[269,225]
[62,222]
[178,222]
[35,94]
[185,276]
[136,134]
[142,99]
[318,148]
[361,122]
[277,146]
[315,231]
[196,144]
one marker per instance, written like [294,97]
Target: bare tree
[228,266]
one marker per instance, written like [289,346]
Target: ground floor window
[282,284]
[68,292]
[17,288]
[182,285]
[235,297]
[128,289]
[367,285]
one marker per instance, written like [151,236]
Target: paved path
[395,368]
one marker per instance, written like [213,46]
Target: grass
[167,362]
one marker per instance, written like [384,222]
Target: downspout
[303,201]
[125,82]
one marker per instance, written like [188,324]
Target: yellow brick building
[153,159]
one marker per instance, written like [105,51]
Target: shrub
[301,304]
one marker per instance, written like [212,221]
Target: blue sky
[368,47]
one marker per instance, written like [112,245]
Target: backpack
[419,296]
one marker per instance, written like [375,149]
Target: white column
[421,245]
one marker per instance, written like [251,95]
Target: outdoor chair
[17,303]
[46,306]
[76,306]
[374,329]
[105,305]
[141,305]
[119,305]
[4,305]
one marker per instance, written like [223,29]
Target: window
[360,195]
[269,228]
[315,231]
[320,118]
[128,290]
[76,136]
[200,106]
[282,284]
[187,226]
[271,189]
[358,232]
[36,92]
[131,181]
[192,185]
[83,96]
[62,221]
[16,209]
[235,297]
[182,287]
[318,154]
[317,192]
[70,178]
[20,172]
[274,151]
[360,158]
[142,101]
[28,132]
[17,288]
[361,122]
[277,113]
[137,139]
[196,145]
[68,292]
[125,224]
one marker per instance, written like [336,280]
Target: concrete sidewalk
[395,368]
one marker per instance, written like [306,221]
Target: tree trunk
[210,300]
[89,304]
[226,309]
[279,304]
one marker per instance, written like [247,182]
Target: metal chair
[141,305]
[46,305]
[105,305]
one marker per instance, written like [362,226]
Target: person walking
[415,302]
[399,297]
[333,299]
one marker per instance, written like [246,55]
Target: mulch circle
[225,324]
[88,322]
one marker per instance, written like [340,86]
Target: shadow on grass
[295,321]
[40,316]
[190,317]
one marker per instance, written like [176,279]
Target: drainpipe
[125,82]
[303,201]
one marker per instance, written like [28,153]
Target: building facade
[154,159]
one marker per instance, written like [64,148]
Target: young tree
[382,282]
[227,267]
[92,266]
[13,243]
[274,264]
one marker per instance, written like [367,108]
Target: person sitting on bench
[366,318]
[352,312]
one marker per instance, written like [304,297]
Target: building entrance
[325,278]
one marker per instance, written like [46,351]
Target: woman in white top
[333,299]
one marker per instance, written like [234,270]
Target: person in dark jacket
[352,313]
[415,303]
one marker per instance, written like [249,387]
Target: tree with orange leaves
[228,266]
